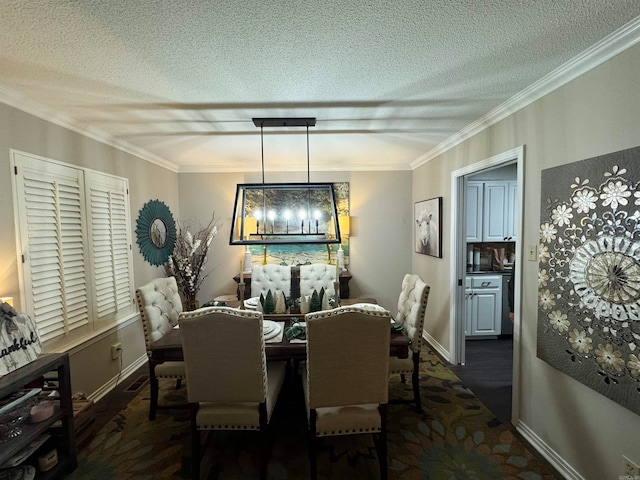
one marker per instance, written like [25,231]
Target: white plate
[267,326]
[252,302]
[270,329]
[368,306]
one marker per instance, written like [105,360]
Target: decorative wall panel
[589,274]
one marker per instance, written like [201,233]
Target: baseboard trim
[111,384]
[547,452]
[436,346]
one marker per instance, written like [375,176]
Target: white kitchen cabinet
[495,209]
[469,307]
[473,211]
[483,301]
[490,214]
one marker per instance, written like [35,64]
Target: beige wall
[91,364]
[381,211]
[592,115]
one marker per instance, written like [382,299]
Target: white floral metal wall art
[589,274]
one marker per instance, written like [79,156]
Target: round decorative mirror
[156,232]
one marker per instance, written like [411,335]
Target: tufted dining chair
[412,306]
[231,386]
[276,278]
[317,276]
[346,379]
[160,304]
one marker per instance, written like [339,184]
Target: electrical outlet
[532,254]
[630,468]
[116,351]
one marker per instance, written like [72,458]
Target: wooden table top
[169,347]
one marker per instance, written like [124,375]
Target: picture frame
[428,227]
[156,232]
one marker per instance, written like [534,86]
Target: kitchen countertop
[491,272]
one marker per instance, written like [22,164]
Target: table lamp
[344,222]
[8,300]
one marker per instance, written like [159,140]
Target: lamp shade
[8,300]
[344,221]
[250,226]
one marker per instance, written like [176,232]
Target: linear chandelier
[285,213]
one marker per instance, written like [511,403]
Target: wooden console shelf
[344,284]
[59,425]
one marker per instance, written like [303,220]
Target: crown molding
[338,167]
[617,42]
[20,102]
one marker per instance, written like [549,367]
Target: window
[74,239]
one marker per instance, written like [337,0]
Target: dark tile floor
[488,373]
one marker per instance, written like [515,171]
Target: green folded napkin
[396,327]
[296,330]
[215,303]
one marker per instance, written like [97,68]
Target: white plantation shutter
[110,245]
[50,199]
[74,240]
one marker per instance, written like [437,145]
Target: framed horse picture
[428,227]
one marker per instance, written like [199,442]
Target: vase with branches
[189,258]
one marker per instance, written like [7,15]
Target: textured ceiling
[388,80]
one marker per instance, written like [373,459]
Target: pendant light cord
[262,148]
[262,152]
[308,168]
[308,182]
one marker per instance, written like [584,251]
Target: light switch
[532,255]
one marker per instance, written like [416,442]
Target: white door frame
[458,261]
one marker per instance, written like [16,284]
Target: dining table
[169,347]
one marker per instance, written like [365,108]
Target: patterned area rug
[456,437]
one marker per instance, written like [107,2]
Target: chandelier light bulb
[287,216]
[272,217]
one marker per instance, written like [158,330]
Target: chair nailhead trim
[345,432]
[226,427]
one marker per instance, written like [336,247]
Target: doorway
[459,315]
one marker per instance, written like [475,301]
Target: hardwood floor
[488,373]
